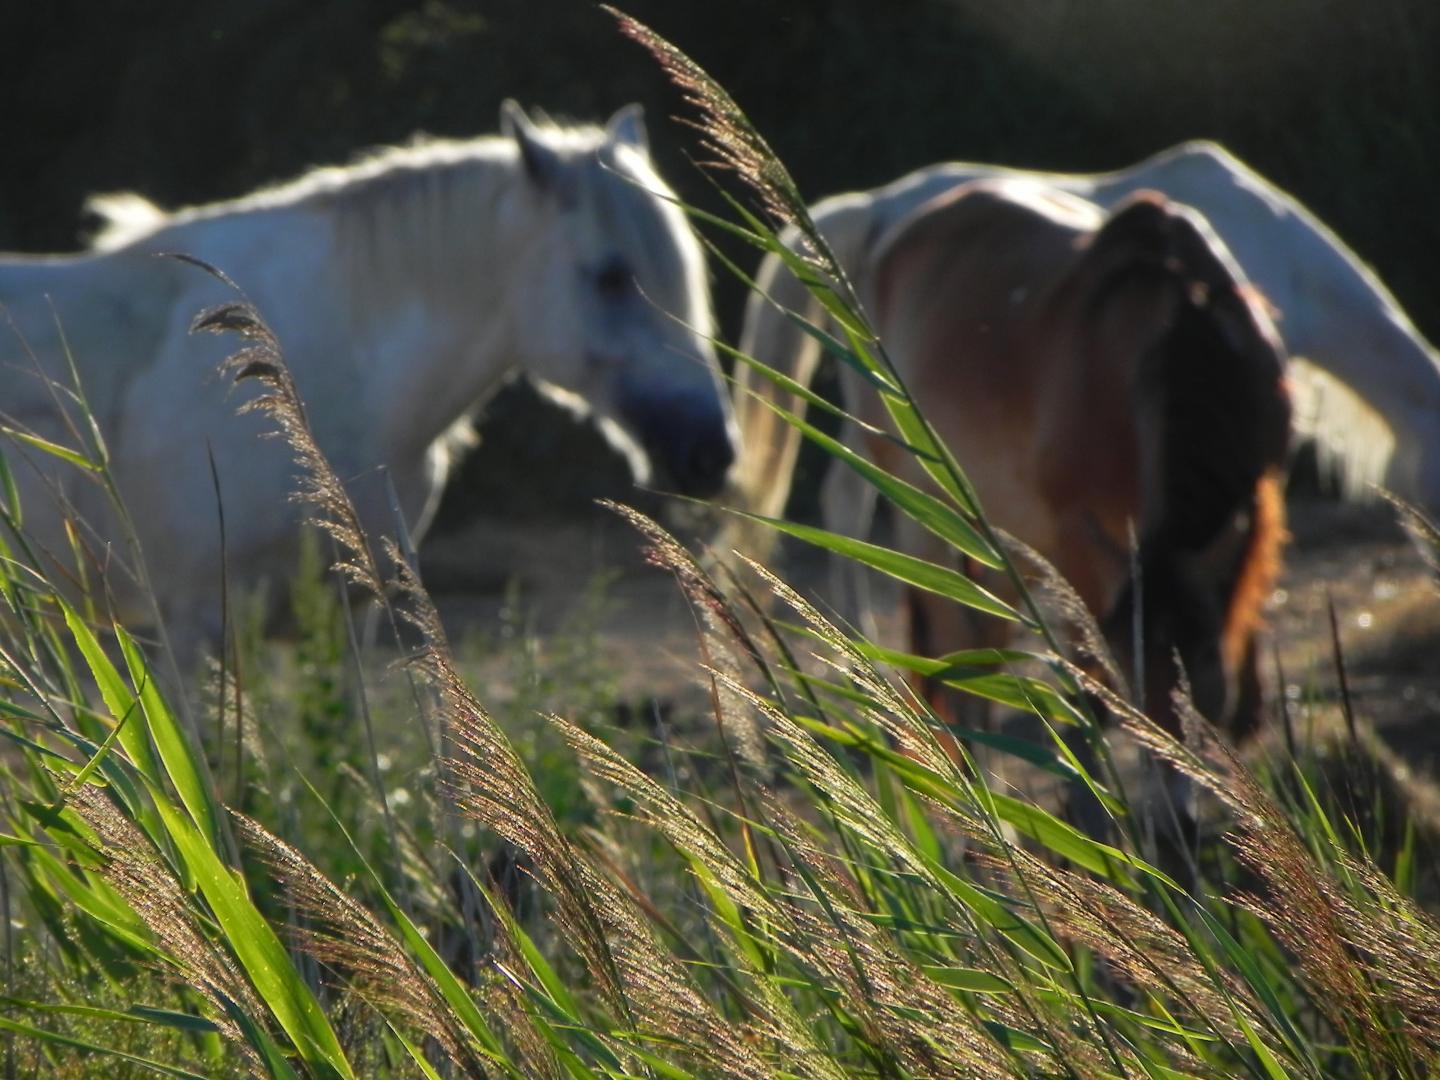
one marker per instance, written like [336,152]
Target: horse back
[107,313]
[954,289]
[969,298]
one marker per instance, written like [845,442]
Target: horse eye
[613,279]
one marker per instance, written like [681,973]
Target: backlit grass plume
[726,132]
[320,490]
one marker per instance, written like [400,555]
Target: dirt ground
[1387,610]
[1386,605]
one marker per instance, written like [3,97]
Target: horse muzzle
[691,447]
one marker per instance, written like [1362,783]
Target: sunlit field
[675,820]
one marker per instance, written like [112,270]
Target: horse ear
[539,160]
[627,126]
[1141,223]
[1152,227]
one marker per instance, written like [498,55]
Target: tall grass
[828,887]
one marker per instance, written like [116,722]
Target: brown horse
[1116,395]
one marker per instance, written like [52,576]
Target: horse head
[1213,420]
[612,301]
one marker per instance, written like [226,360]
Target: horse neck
[427,264]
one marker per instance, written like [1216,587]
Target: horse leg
[847,506]
[938,626]
[1248,709]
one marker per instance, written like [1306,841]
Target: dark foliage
[194,101]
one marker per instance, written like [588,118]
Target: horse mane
[375,176]
[1353,442]
[1226,417]
[374,173]
[395,201]
[1213,414]
[124,217]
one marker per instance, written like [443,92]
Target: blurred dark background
[188,101]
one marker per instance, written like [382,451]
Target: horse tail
[1259,569]
[769,445]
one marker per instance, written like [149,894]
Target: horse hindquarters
[769,445]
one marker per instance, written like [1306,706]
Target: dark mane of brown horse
[1212,555]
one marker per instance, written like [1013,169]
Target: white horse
[403,289]
[1333,311]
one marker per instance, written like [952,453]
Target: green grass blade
[101,752]
[661,1066]
[259,950]
[969,980]
[828,342]
[180,1021]
[55,1038]
[52,758]
[115,693]
[74,457]
[94,896]
[999,917]
[929,576]
[1015,1040]
[1065,840]
[456,996]
[925,509]
[809,275]
[186,773]
[426,1069]
[569,1022]
[932,455]
[454,992]
[1243,964]
[786,383]
[933,666]
[270,1053]
[1268,1061]
[18,712]
[12,509]
[136,1014]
